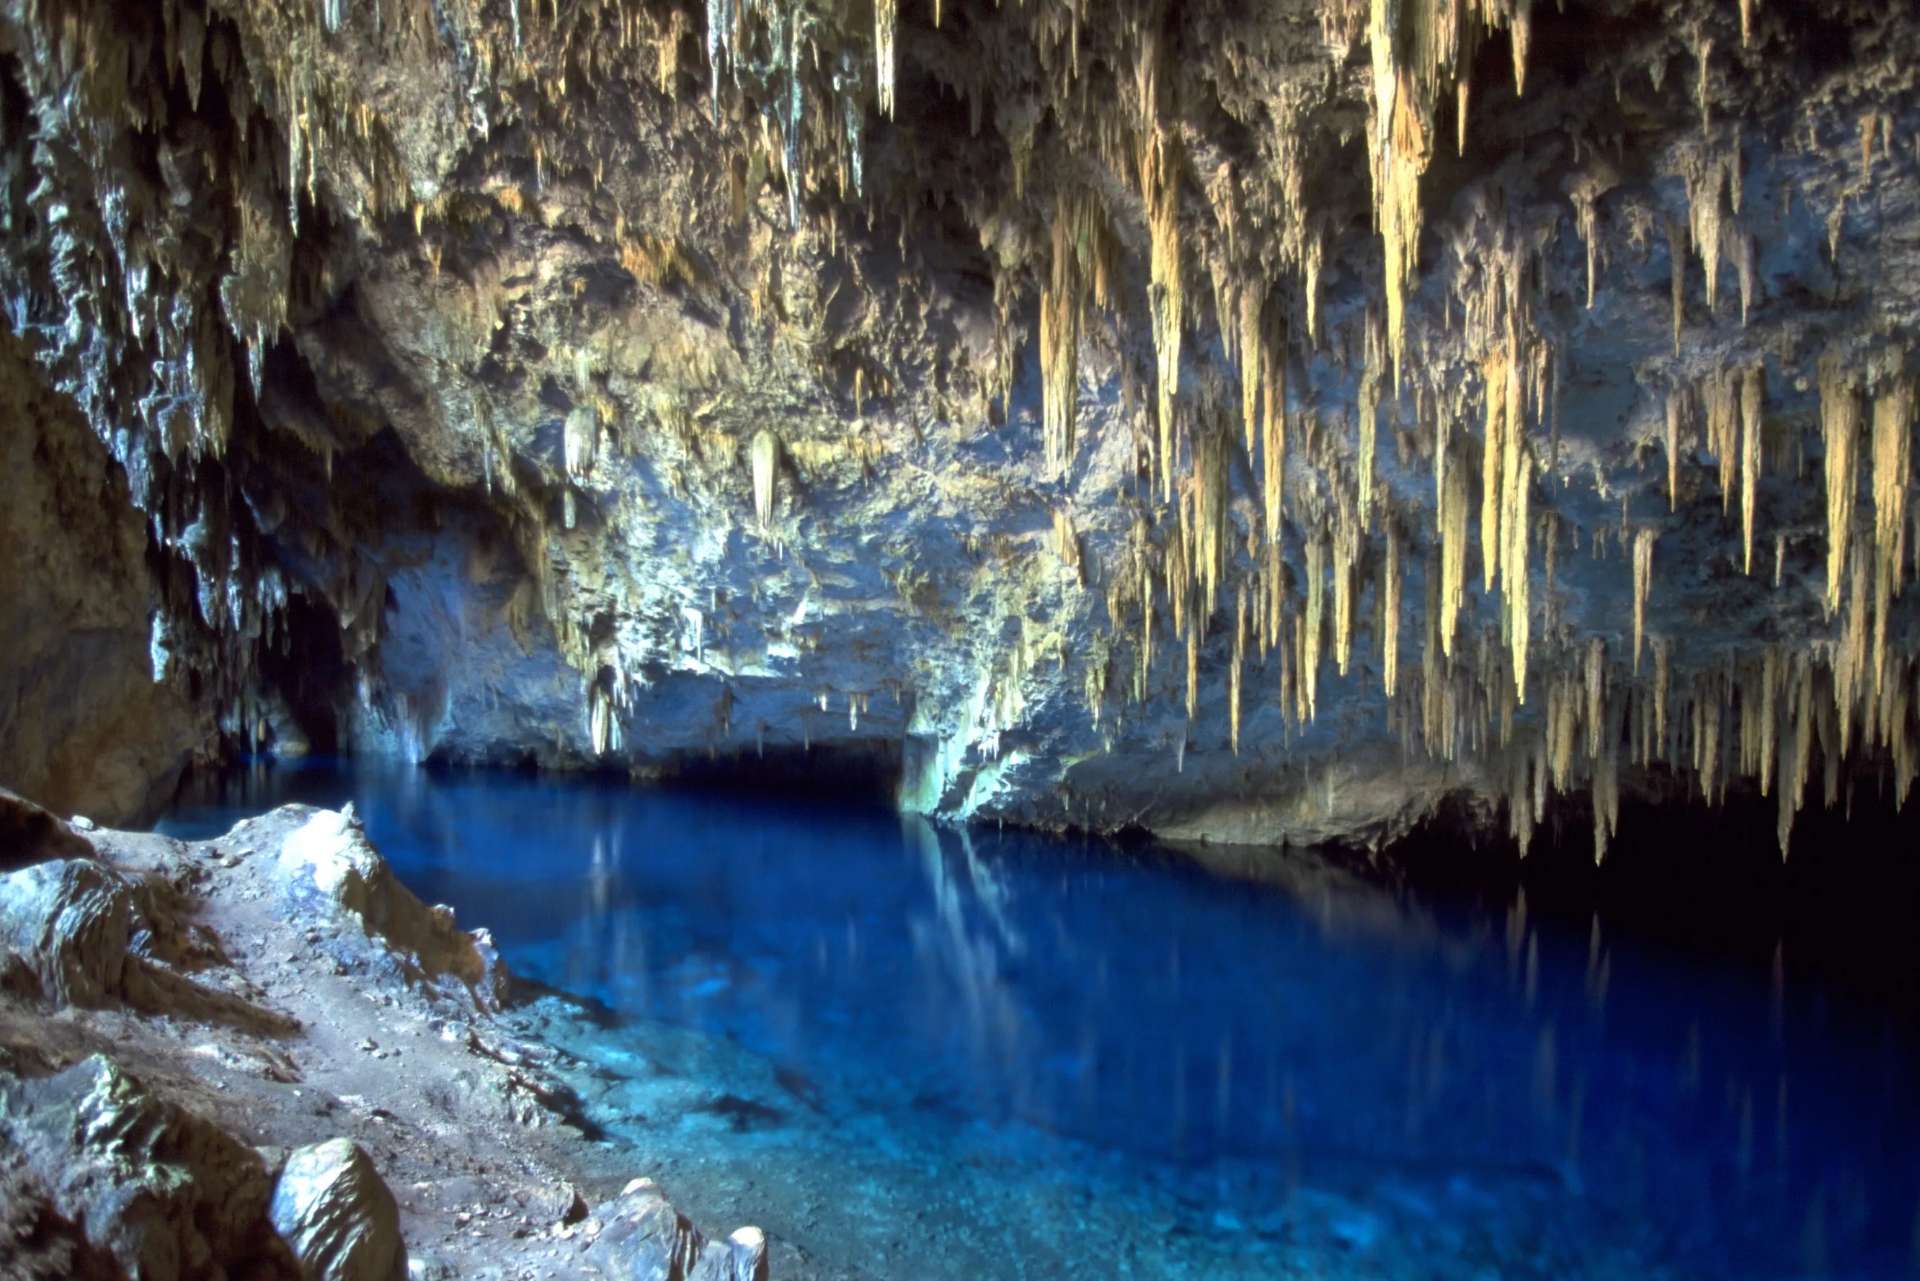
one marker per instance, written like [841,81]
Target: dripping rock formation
[1250,420]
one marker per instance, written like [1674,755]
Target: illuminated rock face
[1252,421]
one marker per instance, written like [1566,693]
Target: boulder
[336,1213]
[69,923]
[167,1193]
[646,1239]
[29,834]
[328,868]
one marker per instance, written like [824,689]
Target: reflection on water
[1559,1105]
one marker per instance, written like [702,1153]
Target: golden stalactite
[1390,610]
[1166,298]
[1840,416]
[1314,625]
[1273,442]
[1676,411]
[1643,541]
[1753,394]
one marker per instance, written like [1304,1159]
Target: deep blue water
[1086,1000]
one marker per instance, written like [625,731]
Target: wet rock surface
[217,1070]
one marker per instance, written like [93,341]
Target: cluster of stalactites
[1085,253]
[1417,50]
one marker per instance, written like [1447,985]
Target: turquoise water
[919,1051]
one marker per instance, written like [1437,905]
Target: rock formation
[188,1088]
[1245,419]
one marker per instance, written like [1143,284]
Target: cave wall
[84,726]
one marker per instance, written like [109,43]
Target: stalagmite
[1840,426]
[1643,540]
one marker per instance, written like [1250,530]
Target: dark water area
[1305,1072]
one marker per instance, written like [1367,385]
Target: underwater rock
[170,1196]
[337,1214]
[328,869]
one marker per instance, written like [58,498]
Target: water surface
[918,1051]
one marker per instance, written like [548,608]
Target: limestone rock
[70,923]
[169,1195]
[329,868]
[336,1213]
[29,834]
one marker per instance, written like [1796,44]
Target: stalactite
[1347,542]
[1752,434]
[1662,685]
[1892,474]
[1723,431]
[1251,358]
[1309,647]
[1595,675]
[1273,445]
[1840,426]
[1233,673]
[886,25]
[1193,671]
[1166,297]
[1893,415]
[1493,453]
[1390,613]
[1677,257]
[764,456]
[1676,409]
[1642,580]
[1453,554]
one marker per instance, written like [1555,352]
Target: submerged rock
[169,1195]
[336,1213]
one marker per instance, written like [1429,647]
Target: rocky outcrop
[168,1195]
[646,1239]
[206,1071]
[29,834]
[1242,421]
[338,1216]
[70,922]
[328,870]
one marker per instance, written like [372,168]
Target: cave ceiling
[1244,420]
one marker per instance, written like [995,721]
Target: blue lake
[1164,1070]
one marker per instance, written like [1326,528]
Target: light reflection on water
[1241,1041]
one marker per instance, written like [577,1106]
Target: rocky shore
[261,1056]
